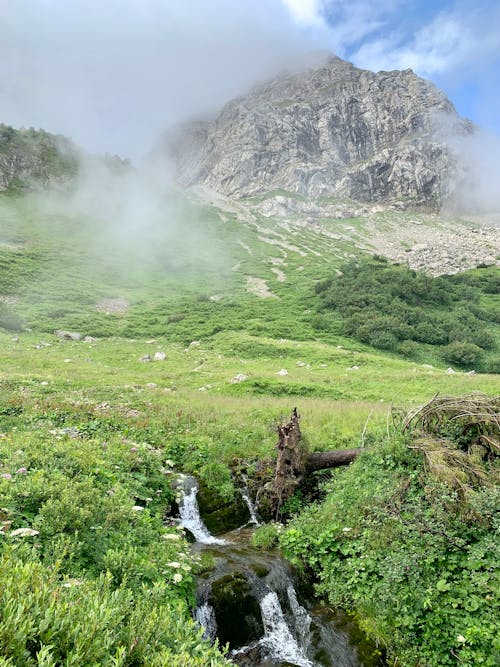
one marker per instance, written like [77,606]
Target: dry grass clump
[459,438]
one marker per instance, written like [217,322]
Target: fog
[114,75]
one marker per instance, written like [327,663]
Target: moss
[236,610]
[219,515]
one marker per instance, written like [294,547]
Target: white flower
[171,536]
[346,530]
[174,564]
[461,639]
[186,568]
[177,578]
[138,508]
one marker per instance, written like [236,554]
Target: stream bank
[251,600]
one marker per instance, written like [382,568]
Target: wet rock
[219,514]
[237,611]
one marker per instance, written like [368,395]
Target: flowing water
[249,600]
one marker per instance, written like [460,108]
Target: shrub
[465,355]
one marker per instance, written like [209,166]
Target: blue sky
[115,74]
[454,43]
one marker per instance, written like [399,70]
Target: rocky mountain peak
[330,131]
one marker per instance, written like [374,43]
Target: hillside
[34,158]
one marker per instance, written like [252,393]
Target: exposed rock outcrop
[30,158]
[333,131]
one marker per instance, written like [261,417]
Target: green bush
[465,355]
[406,556]
[382,304]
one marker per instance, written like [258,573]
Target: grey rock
[241,377]
[159,356]
[331,131]
[68,335]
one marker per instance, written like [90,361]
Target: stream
[250,600]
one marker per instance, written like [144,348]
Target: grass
[72,411]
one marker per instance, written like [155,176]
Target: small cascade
[301,619]
[190,514]
[248,600]
[251,507]
[205,617]
[278,642]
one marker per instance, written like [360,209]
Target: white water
[191,519]
[278,641]
[251,508]
[205,617]
[301,618]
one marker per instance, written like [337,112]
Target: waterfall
[278,641]
[190,514]
[205,617]
[248,600]
[251,508]
[301,618]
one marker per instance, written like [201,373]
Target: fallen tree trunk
[331,459]
[294,462]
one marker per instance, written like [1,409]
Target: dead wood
[294,461]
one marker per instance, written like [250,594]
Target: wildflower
[346,530]
[171,536]
[21,471]
[177,578]
[174,564]
[186,568]
[461,639]
[134,449]
[6,475]
[138,508]
[24,532]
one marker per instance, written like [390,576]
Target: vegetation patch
[399,544]
[393,308]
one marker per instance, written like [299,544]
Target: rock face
[333,131]
[30,158]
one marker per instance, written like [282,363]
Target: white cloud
[459,38]
[307,12]
[113,75]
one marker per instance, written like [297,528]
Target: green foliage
[267,536]
[393,308]
[89,573]
[49,619]
[466,355]
[217,477]
[404,554]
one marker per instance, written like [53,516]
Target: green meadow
[91,430]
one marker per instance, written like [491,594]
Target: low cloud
[114,75]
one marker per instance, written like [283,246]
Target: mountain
[333,131]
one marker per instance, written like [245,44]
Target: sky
[114,74]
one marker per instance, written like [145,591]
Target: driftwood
[294,461]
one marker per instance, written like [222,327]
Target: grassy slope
[57,266]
